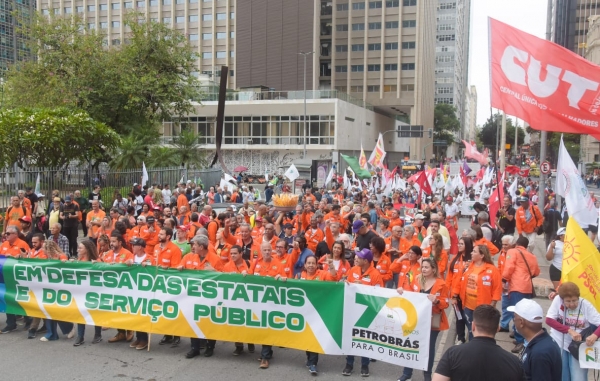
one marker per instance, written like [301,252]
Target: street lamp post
[305,54]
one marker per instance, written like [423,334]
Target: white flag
[181,181]
[377,185]
[266,174]
[37,190]
[229,178]
[571,186]
[346,181]
[292,173]
[145,176]
[329,177]
[449,188]
[512,190]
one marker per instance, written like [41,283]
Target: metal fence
[84,178]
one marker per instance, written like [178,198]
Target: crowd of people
[358,235]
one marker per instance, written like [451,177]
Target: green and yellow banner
[323,317]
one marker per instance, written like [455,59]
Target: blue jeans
[468,315]
[407,372]
[506,315]
[11,321]
[312,358]
[266,352]
[515,297]
[570,368]
[52,327]
[364,361]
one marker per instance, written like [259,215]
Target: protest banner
[466,208]
[323,317]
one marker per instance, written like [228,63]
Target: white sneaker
[72,333]
[459,342]
[43,338]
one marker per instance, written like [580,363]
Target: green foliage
[188,150]
[162,156]
[445,123]
[51,137]
[131,87]
[572,143]
[487,133]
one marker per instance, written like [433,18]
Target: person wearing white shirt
[435,228]
[166,193]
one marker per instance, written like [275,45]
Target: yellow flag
[581,263]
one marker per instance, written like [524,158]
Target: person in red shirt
[269,267]
[364,273]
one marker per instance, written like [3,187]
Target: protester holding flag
[481,283]
[569,316]
[430,283]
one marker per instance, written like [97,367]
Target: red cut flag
[524,173]
[423,183]
[472,153]
[463,176]
[496,201]
[513,169]
[546,85]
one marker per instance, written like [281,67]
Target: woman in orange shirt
[437,252]
[338,260]
[480,284]
[430,283]
[380,260]
[457,267]
[408,266]
[221,246]
[106,227]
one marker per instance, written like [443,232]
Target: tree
[445,123]
[487,133]
[188,150]
[135,85]
[162,156]
[572,144]
[51,137]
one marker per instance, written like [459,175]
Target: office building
[13,47]
[379,52]
[469,128]
[590,147]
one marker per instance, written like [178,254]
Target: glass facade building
[14,14]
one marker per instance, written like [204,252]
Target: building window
[154,3]
[358,26]
[445,27]
[409,23]
[343,89]
[231,54]
[391,25]
[67,10]
[103,7]
[206,55]
[207,36]
[375,4]
[444,100]
[374,25]
[409,3]
[193,18]
[447,6]
[166,20]
[193,1]
[442,59]
[115,6]
[358,47]
[45,12]
[80,8]
[179,19]
[91,25]
[193,37]
[390,88]
[342,7]
[341,69]
[231,34]
[444,90]
[116,41]
[341,48]
[356,89]
[128,4]
[408,45]
[207,17]
[115,24]
[446,37]
[221,54]
[103,25]
[166,2]
[392,3]
[140,4]
[374,46]
[358,68]
[373,88]
[407,88]
[221,16]
[391,46]
[358,6]
[221,35]
[391,67]
[232,15]
[91,8]
[341,27]
[408,66]
[374,67]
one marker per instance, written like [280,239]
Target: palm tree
[130,154]
[162,156]
[188,150]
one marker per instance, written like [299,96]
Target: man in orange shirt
[150,235]
[13,246]
[36,252]
[310,198]
[395,219]
[267,266]
[182,199]
[528,220]
[166,253]
[199,259]
[364,273]
[15,212]
[519,269]
[94,220]
[250,247]
[313,235]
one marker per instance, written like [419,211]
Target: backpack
[496,236]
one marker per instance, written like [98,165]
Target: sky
[527,15]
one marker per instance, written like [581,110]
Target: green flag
[353,163]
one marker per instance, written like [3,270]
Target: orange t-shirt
[192,261]
[169,256]
[37,254]
[13,214]
[230,268]
[318,275]
[270,269]
[123,256]
[313,237]
[7,249]
[94,217]
[371,277]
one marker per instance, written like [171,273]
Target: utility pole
[305,54]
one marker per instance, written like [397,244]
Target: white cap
[561,231]
[528,310]
[419,217]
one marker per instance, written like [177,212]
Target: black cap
[138,242]
[150,219]
[288,226]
